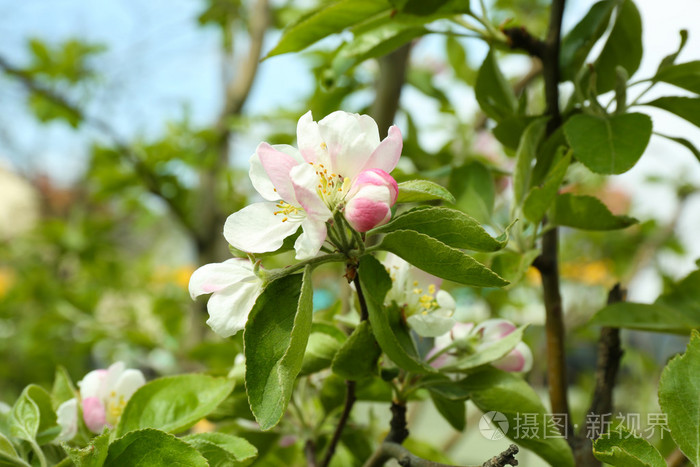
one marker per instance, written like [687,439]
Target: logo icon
[493,425]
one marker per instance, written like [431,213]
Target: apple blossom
[234,287]
[466,338]
[341,166]
[103,396]
[428,309]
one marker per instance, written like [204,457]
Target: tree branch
[388,450]
[344,417]
[392,74]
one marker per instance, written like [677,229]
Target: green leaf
[512,265]
[434,7]
[577,44]
[475,190]
[375,282]
[275,339]
[525,155]
[677,311]
[688,108]
[509,131]
[621,448]
[540,198]
[357,358]
[683,75]
[173,403]
[94,454]
[438,259]
[609,145]
[222,450]
[33,417]
[623,47]
[414,191]
[668,60]
[682,141]
[586,213]
[494,390]
[152,448]
[330,18]
[8,454]
[451,227]
[457,57]
[63,388]
[319,354]
[454,411]
[493,92]
[679,391]
[489,354]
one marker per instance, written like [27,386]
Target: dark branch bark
[392,74]
[310,453]
[399,429]
[344,417]
[388,450]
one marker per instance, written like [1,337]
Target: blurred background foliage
[96,270]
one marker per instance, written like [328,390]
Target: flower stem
[275,274]
[344,417]
[39,453]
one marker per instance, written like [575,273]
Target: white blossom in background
[428,310]
[341,166]
[234,287]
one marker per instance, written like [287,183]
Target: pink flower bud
[370,199]
[94,414]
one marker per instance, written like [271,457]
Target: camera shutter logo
[493,425]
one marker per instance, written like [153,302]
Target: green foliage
[454,411]
[358,356]
[154,448]
[688,108]
[173,403]
[494,94]
[414,191]
[540,198]
[587,213]
[676,311]
[608,145]
[275,338]
[620,447]
[222,450]
[32,417]
[439,259]
[451,227]
[487,355]
[475,190]
[525,155]
[683,75]
[678,396]
[94,454]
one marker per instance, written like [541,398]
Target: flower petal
[310,241]
[387,154]
[445,300]
[216,276]
[494,329]
[305,181]
[369,208]
[94,414]
[518,360]
[91,383]
[229,308]
[375,177]
[277,165]
[67,419]
[309,139]
[350,139]
[430,324]
[127,384]
[256,228]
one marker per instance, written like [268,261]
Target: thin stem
[275,274]
[389,450]
[310,452]
[344,417]
[364,313]
[39,453]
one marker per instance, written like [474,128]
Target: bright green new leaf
[438,259]
[319,354]
[487,355]
[475,190]
[152,448]
[63,388]
[576,45]
[357,358]
[451,227]
[330,18]
[33,417]
[8,454]
[375,282]
[669,60]
[586,213]
[93,455]
[457,57]
[677,311]
[222,450]
[623,47]
[275,340]
[525,155]
[454,411]
[414,191]
[609,145]
[683,75]
[173,403]
[509,131]
[687,108]
[679,397]
[512,265]
[540,198]
[431,8]
[493,92]
[683,142]
[622,448]
[494,390]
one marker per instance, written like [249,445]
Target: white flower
[304,187]
[234,288]
[428,309]
[103,396]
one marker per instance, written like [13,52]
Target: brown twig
[677,459]
[388,450]
[392,74]
[310,453]
[344,417]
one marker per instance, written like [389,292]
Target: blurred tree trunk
[392,75]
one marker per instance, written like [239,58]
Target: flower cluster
[341,168]
[103,396]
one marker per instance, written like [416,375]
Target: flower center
[287,211]
[332,188]
[114,409]
[426,301]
